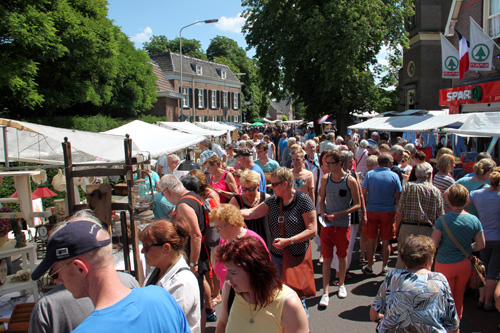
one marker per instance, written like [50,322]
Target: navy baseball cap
[73,239]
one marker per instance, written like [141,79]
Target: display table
[9,286]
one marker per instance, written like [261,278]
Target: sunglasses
[55,275]
[277,183]
[249,189]
[146,248]
[220,227]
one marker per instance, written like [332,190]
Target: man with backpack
[190,207]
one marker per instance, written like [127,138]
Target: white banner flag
[481,48]
[449,60]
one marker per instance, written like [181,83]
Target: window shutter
[196,102]
[205,98]
[190,94]
[239,100]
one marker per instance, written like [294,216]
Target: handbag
[477,277]
[298,272]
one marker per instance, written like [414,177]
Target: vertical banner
[449,59]
[481,48]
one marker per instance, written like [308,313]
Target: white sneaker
[324,300]
[342,292]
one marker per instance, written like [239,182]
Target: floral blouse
[418,302]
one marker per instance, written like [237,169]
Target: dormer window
[223,75]
[199,70]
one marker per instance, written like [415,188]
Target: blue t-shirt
[161,208]
[282,144]
[147,310]
[488,206]
[471,185]
[381,184]
[464,227]
[262,185]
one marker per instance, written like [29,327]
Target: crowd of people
[267,195]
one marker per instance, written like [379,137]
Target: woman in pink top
[230,225]
[221,180]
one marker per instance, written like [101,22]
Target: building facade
[279,109]
[211,91]
[420,83]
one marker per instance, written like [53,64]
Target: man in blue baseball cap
[79,255]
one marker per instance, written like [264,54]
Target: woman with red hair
[254,298]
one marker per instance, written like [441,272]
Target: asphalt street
[351,314]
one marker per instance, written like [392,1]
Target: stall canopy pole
[5,147]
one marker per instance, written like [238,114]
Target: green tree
[321,51]
[67,57]
[190,47]
[226,51]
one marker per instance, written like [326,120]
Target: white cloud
[231,24]
[142,36]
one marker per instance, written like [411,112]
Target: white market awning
[485,124]
[156,140]
[42,144]
[187,127]
[411,123]
[213,125]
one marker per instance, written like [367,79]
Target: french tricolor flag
[323,119]
[463,50]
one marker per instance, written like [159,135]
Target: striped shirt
[420,202]
[443,182]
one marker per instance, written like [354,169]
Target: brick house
[279,109]
[211,91]
[420,79]
[168,100]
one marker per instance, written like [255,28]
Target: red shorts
[335,236]
[384,221]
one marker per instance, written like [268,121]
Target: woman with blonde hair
[163,244]
[443,179]
[229,223]
[487,201]
[482,171]
[249,198]
[298,217]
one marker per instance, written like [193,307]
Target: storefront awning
[411,123]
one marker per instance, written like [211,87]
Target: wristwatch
[192,264]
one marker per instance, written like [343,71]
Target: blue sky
[142,19]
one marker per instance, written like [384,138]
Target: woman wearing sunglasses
[163,244]
[299,217]
[249,198]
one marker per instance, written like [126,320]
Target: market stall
[154,139]
[190,128]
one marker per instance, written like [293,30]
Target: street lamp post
[180,49]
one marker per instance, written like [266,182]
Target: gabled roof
[162,83]
[281,106]
[171,62]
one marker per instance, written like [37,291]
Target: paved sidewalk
[351,314]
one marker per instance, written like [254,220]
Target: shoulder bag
[298,272]
[477,277]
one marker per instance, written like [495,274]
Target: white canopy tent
[190,128]
[411,123]
[485,124]
[367,114]
[213,125]
[42,144]
[154,139]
